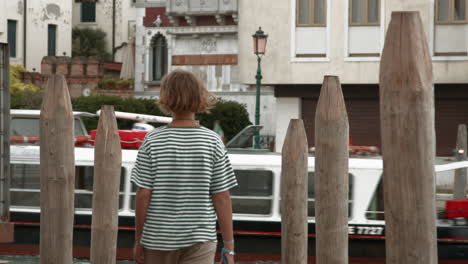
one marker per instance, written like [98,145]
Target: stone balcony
[201,7]
[190,9]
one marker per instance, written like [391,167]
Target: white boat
[256,203]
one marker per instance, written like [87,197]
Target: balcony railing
[201,7]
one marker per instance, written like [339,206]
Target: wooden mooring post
[294,195]
[408,142]
[459,188]
[6,227]
[107,170]
[57,167]
[331,174]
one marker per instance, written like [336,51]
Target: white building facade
[34,29]
[313,38]
[200,36]
[117,18]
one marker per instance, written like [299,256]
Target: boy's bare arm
[223,206]
[142,201]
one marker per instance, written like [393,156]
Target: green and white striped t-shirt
[183,166]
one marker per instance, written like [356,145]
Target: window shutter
[12,37]
[88,12]
[52,40]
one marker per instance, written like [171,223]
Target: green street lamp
[260,40]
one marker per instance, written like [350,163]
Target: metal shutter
[364,120]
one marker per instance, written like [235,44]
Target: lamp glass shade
[260,46]
[260,41]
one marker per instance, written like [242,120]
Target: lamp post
[260,40]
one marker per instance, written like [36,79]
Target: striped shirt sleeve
[223,177]
[143,173]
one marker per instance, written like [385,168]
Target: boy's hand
[230,259]
[138,254]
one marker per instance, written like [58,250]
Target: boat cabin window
[253,195]
[25,186]
[30,127]
[311,195]
[375,211]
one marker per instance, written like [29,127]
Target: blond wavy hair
[181,91]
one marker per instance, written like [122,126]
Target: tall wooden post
[294,195]
[408,142]
[331,174]
[107,169]
[459,188]
[57,173]
[6,227]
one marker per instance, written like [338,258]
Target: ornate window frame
[158,46]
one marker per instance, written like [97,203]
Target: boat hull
[255,241]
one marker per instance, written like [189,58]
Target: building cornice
[202,30]
[146,3]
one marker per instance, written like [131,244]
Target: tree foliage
[232,115]
[90,42]
[23,95]
[16,86]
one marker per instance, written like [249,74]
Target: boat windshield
[25,186]
[444,192]
[26,126]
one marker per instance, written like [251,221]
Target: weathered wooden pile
[408,148]
[58,180]
[407,120]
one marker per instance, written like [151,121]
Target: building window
[159,57]
[52,40]
[12,37]
[451,12]
[311,13]
[88,12]
[364,13]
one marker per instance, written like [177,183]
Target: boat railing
[444,177]
[258,194]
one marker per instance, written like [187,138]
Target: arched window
[159,57]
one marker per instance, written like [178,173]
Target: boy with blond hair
[183,176]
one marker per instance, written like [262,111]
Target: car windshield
[30,127]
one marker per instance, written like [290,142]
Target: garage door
[363,115]
[364,122]
[449,114]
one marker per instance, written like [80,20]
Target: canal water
[35,260]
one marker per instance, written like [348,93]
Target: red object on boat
[456,208]
[128,138]
[364,149]
[20,139]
